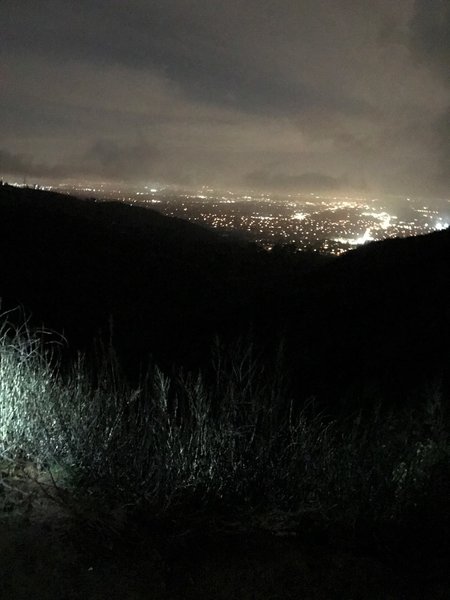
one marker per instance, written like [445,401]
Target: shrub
[235,441]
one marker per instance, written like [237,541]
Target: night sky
[278,95]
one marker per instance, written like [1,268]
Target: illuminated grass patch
[237,442]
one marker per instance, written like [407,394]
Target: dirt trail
[46,554]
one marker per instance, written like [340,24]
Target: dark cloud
[133,162]
[106,159]
[442,128]
[430,34]
[430,41]
[26,166]
[248,53]
[213,92]
[303,182]
[11,163]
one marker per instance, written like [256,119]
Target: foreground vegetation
[236,445]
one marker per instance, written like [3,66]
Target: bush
[235,441]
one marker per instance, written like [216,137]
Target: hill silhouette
[167,287]
[379,318]
[376,319]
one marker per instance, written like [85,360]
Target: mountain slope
[168,286]
[380,316]
[373,322]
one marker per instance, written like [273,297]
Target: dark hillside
[372,323]
[167,286]
[379,318]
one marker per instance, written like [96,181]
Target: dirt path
[47,555]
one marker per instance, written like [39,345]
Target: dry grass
[236,445]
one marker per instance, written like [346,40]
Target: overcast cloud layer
[271,94]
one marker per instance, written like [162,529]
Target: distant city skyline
[320,223]
[291,96]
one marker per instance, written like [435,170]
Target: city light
[331,225]
[440,225]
